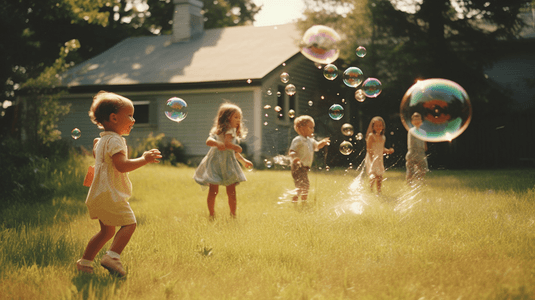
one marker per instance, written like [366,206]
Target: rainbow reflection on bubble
[330,72]
[320,44]
[76,133]
[176,109]
[372,87]
[361,51]
[336,112]
[352,77]
[444,106]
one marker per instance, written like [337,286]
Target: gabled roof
[223,54]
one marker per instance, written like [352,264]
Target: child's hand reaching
[389,151]
[324,142]
[221,146]
[152,156]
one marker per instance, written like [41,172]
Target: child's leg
[122,238]
[379,180]
[212,193]
[98,241]
[231,193]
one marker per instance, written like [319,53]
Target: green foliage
[172,150]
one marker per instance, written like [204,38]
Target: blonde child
[111,187]
[375,149]
[220,165]
[416,159]
[302,154]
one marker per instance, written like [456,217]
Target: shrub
[172,150]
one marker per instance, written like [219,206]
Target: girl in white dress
[375,149]
[220,165]
[111,187]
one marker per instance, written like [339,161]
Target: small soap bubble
[76,133]
[290,89]
[249,81]
[372,87]
[285,77]
[346,148]
[360,96]
[361,51]
[336,112]
[291,113]
[267,106]
[359,136]
[352,77]
[320,44]
[269,92]
[268,163]
[265,123]
[330,72]
[347,129]
[444,107]
[310,103]
[278,108]
[279,94]
[176,109]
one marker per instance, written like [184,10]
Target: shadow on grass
[97,286]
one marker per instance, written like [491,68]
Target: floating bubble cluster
[346,148]
[336,112]
[352,77]
[372,87]
[347,129]
[443,105]
[176,109]
[76,133]
[320,44]
[330,72]
[361,51]
[359,136]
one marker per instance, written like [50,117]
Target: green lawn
[464,235]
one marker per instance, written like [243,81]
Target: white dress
[374,160]
[220,167]
[110,190]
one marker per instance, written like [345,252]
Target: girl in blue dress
[220,165]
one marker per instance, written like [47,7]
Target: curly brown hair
[104,104]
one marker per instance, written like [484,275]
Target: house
[239,64]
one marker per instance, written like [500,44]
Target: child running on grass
[416,159]
[220,165]
[375,149]
[302,154]
[111,187]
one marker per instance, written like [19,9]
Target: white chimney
[188,20]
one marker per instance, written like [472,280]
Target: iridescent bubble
[291,113]
[330,72]
[76,133]
[359,136]
[347,129]
[320,44]
[444,107]
[310,103]
[290,89]
[372,87]
[336,112]
[352,77]
[285,77]
[278,108]
[360,96]
[176,109]
[346,148]
[361,51]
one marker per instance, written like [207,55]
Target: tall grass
[464,234]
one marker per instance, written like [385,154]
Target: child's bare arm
[294,158]
[230,145]
[124,164]
[247,163]
[324,142]
[211,142]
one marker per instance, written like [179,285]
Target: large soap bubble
[320,44]
[444,106]
[352,77]
[176,109]
[372,87]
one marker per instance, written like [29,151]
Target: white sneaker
[113,265]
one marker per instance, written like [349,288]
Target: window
[142,112]
[286,103]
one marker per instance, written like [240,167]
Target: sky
[276,12]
